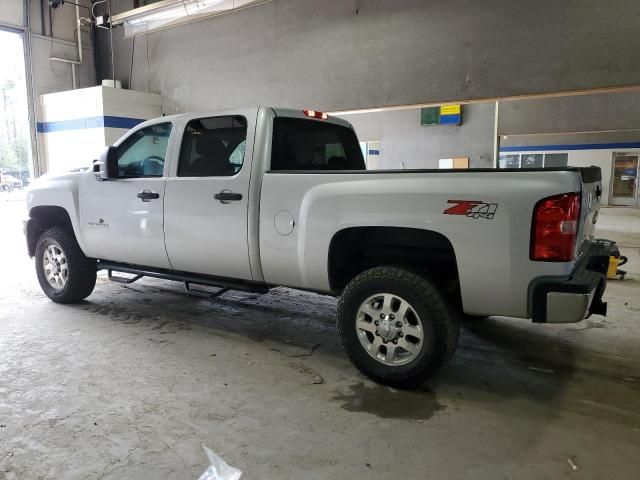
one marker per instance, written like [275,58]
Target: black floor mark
[388,403]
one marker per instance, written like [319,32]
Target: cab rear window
[311,145]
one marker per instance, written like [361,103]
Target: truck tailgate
[591,197]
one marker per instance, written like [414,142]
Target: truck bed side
[492,251]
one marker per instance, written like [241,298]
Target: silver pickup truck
[255,198]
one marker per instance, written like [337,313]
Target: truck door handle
[226,196]
[147,195]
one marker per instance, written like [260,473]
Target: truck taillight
[316,114]
[555,228]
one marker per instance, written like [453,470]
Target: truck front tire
[396,326]
[65,274]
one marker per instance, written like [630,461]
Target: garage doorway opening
[625,189]
[16,168]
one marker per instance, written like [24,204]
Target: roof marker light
[315,114]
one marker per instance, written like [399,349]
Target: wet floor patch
[386,402]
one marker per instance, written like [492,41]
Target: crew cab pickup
[256,198]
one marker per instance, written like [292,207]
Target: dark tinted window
[556,159]
[532,160]
[314,145]
[509,161]
[142,154]
[213,147]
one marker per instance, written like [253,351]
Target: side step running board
[225,284]
[124,280]
[203,293]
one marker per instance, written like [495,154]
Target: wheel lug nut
[377,333]
[392,316]
[398,324]
[382,315]
[376,323]
[395,341]
[400,334]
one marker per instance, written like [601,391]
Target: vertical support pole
[74,82]
[36,167]
[496,136]
[113,65]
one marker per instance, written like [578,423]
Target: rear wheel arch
[356,249]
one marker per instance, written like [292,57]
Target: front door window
[143,153]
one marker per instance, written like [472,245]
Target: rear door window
[311,145]
[213,147]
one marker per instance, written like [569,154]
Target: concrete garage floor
[132,382]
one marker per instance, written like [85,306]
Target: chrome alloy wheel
[389,329]
[56,268]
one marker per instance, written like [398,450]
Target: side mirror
[106,168]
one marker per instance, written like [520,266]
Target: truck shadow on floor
[302,318]
[306,320]
[500,363]
[498,358]
[501,359]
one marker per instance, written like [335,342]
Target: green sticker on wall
[430,116]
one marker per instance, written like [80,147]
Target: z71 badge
[472,208]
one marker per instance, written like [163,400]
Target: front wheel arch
[43,217]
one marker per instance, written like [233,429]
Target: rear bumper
[573,298]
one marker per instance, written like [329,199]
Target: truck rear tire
[65,274]
[396,326]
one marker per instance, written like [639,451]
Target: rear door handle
[147,195]
[226,196]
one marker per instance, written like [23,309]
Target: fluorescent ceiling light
[172,12]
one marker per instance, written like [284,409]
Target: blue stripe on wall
[107,121]
[579,146]
[121,122]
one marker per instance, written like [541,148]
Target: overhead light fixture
[172,12]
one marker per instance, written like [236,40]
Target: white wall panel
[12,12]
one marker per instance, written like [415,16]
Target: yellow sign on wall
[450,110]
[443,115]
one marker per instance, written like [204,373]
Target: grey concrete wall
[48,76]
[54,35]
[11,12]
[321,53]
[59,23]
[571,139]
[578,113]
[585,120]
[62,20]
[405,143]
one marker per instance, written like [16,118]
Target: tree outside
[14,114]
